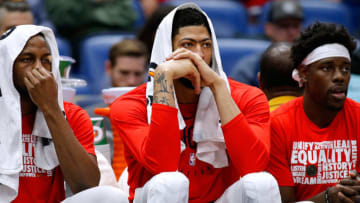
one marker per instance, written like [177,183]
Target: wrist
[218,84]
[164,71]
[327,196]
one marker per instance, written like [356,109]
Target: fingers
[356,198]
[346,190]
[196,82]
[344,199]
[349,182]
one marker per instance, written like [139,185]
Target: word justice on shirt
[322,162]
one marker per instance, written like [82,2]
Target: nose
[132,80]
[198,49]
[338,75]
[38,64]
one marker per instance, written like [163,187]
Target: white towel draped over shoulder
[11,163]
[207,128]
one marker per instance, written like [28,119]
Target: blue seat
[228,17]
[233,50]
[63,46]
[93,54]
[316,10]
[141,17]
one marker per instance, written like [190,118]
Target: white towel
[207,128]
[11,163]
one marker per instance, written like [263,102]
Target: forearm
[161,148]
[163,87]
[227,108]
[79,168]
[246,150]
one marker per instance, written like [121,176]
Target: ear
[261,85]
[303,72]
[108,67]
[269,29]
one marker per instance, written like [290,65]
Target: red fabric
[297,143]
[250,3]
[36,184]
[155,148]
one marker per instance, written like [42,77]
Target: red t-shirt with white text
[39,185]
[312,158]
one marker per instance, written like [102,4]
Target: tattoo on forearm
[163,92]
[162,82]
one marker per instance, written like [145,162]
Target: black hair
[188,17]
[147,32]
[317,35]
[276,66]
[12,5]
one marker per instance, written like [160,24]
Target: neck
[277,92]
[318,114]
[185,95]
[27,106]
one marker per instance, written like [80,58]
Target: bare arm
[79,168]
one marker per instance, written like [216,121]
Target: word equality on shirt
[322,162]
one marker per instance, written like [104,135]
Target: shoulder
[138,94]
[287,111]
[73,109]
[133,102]
[77,116]
[352,108]
[245,92]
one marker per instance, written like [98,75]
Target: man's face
[327,82]
[36,54]
[11,19]
[128,71]
[196,39]
[285,30]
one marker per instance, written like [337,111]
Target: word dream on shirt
[322,162]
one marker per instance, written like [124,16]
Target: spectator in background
[147,32]
[40,14]
[75,20]
[284,25]
[13,13]
[354,85]
[315,138]
[275,76]
[126,66]
[254,8]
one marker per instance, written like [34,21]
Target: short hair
[13,6]
[127,47]
[188,17]
[317,35]
[147,32]
[276,66]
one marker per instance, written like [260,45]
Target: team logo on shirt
[311,170]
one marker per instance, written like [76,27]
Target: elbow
[256,163]
[92,180]
[166,163]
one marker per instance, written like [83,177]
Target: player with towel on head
[315,138]
[190,134]
[43,140]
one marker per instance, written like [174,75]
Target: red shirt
[312,158]
[39,185]
[155,148]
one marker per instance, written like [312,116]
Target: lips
[339,92]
